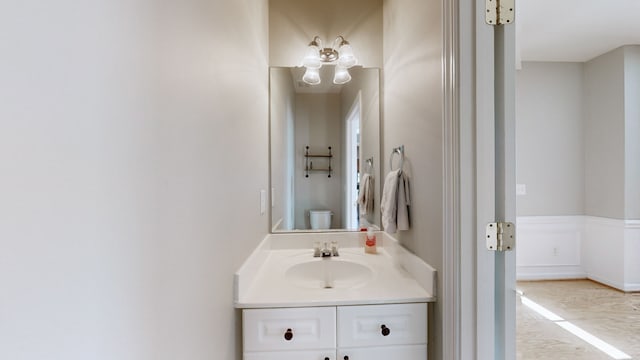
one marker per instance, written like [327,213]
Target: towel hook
[398,150]
[369,168]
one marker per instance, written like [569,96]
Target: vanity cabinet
[371,332]
[288,329]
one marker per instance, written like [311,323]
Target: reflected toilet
[320,219]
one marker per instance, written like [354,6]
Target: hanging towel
[389,202]
[404,202]
[395,203]
[365,198]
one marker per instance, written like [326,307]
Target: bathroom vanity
[348,306]
[392,331]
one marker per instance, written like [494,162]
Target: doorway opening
[352,163]
[562,245]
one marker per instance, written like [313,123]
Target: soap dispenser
[370,242]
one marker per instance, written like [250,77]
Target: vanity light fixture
[340,54]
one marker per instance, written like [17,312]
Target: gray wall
[604,135]
[282,118]
[632,131]
[578,126]
[549,138]
[318,125]
[131,159]
[413,116]
[614,127]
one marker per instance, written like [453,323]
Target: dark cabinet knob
[288,335]
[346,357]
[326,358]
[385,330]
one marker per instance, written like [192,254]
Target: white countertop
[396,275]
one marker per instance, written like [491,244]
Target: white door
[496,185]
[486,291]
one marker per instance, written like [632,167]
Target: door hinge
[499,12]
[501,236]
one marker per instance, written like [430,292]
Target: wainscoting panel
[549,247]
[575,247]
[632,256]
[604,250]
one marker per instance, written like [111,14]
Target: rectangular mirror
[324,139]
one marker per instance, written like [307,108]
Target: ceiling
[567,30]
[574,30]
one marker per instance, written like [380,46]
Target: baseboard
[532,273]
[631,287]
[610,283]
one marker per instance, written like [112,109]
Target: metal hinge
[499,12]
[501,236]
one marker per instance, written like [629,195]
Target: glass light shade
[311,76]
[346,59]
[341,75]
[312,58]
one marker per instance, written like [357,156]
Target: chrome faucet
[326,251]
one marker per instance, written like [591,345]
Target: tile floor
[606,313]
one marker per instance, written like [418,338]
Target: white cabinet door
[378,325]
[289,329]
[329,354]
[406,352]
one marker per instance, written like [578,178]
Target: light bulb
[311,76]
[341,75]
[312,57]
[346,59]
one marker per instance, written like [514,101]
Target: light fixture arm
[317,55]
[340,40]
[316,42]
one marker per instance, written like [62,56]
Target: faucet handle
[316,249]
[334,248]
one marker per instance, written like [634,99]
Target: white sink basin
[329,274]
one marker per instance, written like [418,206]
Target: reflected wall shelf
[325,162]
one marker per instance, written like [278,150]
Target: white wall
[131,159]
[413,116]
[549,139]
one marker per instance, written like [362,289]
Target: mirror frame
[371,111]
